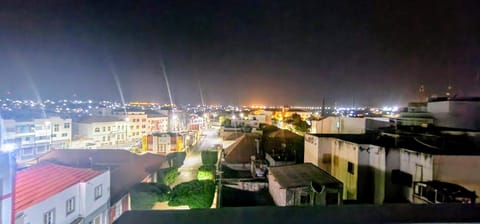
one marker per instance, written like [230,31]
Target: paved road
[188,171]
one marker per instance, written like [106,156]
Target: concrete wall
[339,125]
[361,168]
[278,194]
[417,164]
[462,170]
[7,171]
[456,114]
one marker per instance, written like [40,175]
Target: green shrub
[169,175]
[145,195]
[206,172]
[209,157]
[194,194]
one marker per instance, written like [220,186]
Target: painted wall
[85,204]
[462,170]
[7,171]
[456,114]
[278,194]
[339,125]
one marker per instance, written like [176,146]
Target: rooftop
[40,182]
[95,119]
[299,175]
[127,169]
[242,149]
[433,143]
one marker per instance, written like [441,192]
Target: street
[188,171]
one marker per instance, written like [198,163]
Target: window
[103,129]
[109,128]
[98,219]
[27,151]
[56,127]
[70,205]
[97,129]
[54,135]
[350,168]
[64,134]
[49,217]
[98,192]
[103,138]
[66,125]
[118,210]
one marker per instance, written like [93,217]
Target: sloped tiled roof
[127,169]
[40,182]
[241,150]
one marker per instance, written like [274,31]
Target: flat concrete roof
[300,175]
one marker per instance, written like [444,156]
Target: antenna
[421,93]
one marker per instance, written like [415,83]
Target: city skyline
[247,53]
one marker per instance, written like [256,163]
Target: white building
[37,136]
[66,195]
[102,131]
[7,178]
[347,125]
[378,170]
[303,185]
[459,113]
[356,165]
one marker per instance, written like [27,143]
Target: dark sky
[240,52]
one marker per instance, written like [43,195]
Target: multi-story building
[37,136]
[157,123]
[126,170]
[163,143]
[387,167]
[102,131]
[138,125]
[457,113]
[7,180]
[66,195]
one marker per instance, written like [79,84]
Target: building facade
[102,131]
[375,171]
[303,185]
[67,195]
[7,180]
[36,137]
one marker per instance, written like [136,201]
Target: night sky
[240,52]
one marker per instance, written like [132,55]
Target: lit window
[98,192]
[70,205]
[49,217]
